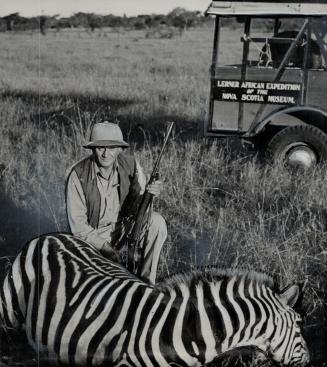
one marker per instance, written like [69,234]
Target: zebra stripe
[248,328]
[95,303]
[87,310]
[264,312]
[116,328]
[60,305]
[18,284]
[30,272]
[240,316]
[75,320]
[155,341]
[228,328]
[43,297]
[143,352]
[138,314]
[90,332]
[206,330]
[178,327]
[8,300]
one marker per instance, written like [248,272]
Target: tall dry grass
[222,205]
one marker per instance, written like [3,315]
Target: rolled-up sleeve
[77,215]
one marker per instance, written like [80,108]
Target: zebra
[87,310]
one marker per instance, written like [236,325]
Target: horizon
[32,8]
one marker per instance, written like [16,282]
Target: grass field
[222,204]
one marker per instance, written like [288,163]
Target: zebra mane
[213,274]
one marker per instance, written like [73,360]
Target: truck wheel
[298,146]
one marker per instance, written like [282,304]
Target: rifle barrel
[170,127]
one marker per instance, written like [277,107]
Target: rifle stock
[135,248]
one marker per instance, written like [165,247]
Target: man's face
[106,156]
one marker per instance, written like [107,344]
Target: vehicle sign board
[256,91]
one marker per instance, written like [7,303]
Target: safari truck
[269,78]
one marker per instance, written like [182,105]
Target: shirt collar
[97,172]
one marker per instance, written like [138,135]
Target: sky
[118,7]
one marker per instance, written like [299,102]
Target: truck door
[224,111]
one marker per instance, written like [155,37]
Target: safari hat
[106,134]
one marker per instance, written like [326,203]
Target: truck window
[230,47]
[277,40]
[279,48]
[268,44]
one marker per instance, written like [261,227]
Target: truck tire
[298,146]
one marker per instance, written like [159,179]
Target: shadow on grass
[65,111]
[73,110]
[315,334]
[17,227]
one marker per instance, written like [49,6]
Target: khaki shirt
[109,205]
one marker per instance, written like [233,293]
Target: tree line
[179,18]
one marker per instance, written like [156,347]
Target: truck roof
[268,8]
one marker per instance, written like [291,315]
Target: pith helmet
[106,134]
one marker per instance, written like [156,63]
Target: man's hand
[155,188]
[110,253]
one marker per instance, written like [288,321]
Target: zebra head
[239,310]
[288,346]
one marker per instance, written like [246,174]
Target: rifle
[135,247]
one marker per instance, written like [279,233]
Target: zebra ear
[290,294]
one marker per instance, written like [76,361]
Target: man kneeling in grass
[102,194]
